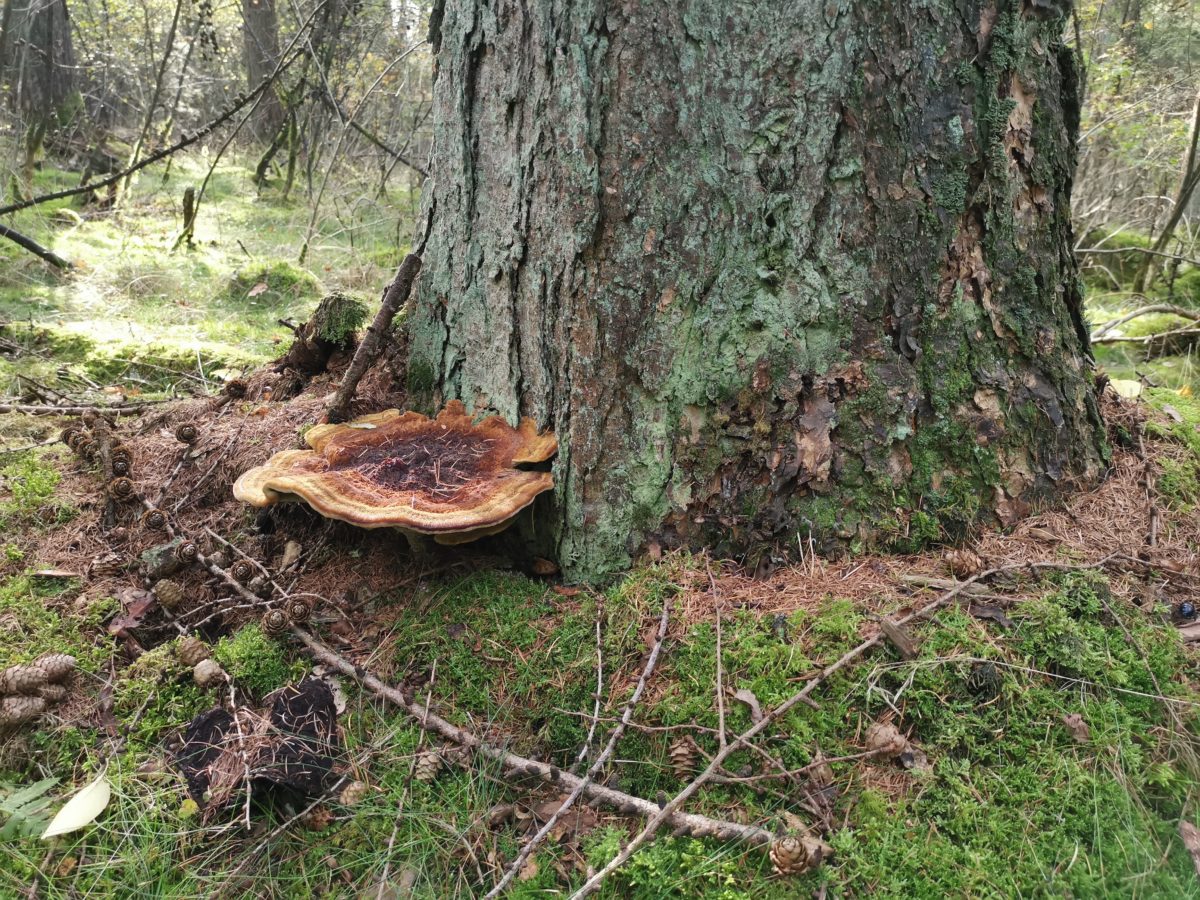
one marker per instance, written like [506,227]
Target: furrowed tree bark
[767,270]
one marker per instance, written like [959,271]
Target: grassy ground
[1012,803]
[140,316]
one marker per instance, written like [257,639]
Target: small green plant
[255,662]
[31,480]
[24,811]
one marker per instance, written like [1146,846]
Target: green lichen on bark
[766,271]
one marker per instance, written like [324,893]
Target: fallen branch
[129,409]
[664,815]
[1151,309]
[393,298]
[686,823]
[28,243]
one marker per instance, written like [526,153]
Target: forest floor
[1052,714]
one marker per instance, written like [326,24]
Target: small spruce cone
[120,452]
[884,739]
[19,709]
[274,621]
[187,552]
[122,489]
[154,519]
[235,388]
[963,563]
[298,610]
[192,651]
[71,435]
[121,467]
[207,673]
[985,681]
[354,793]
[683,756]
[87,449]
[56,666]
[52,693]
[169,593]
[22,679]
[797,854]
[429,764]
[317,819]
[241,571]
[187,433]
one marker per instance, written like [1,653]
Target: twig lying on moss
[27,243]
[665,814]
[596,699]
[596,767]
[686,823]
[126,409]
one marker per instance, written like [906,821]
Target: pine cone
[121,467]
[186,433]
[963,563]
[683,755]
[154,519]
[187,552]
[22,680]
[429,764]
[354,793]
[121,453]
[122,489]
[298,609]
[71,435]
[884,739]
[52,693]
[19,709]
[241,571]
[317,819]
[57,666]
[192,651]
[235,389]
[169,593]
[208,673]
[797,854]
[274,621]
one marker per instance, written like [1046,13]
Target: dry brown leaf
[745,695]
[1078,728]
[259,288]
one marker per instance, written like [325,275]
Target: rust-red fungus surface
[449,477]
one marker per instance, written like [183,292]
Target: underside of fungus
[449,477]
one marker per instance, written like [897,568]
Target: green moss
[157,694]
[271,283]
[338,316]
[950,191]
[32,479]
[255,662]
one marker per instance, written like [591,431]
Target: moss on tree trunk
[769,270]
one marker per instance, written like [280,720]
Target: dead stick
[692,823]
[534,842]
[35,410]
[393,298]
[665,814]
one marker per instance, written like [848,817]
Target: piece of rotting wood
[899,638]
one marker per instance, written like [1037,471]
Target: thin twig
[596,698]
[534,842]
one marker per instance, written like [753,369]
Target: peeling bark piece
[899,638]
[448,477]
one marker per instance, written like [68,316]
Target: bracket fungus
[449,477]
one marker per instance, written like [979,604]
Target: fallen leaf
[529,870]
[1191,839]
[259,288]
[1078,728]
[134,604]
[1172,412]
[747,696]
[1126,388]
[82,809]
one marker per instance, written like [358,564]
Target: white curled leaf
[82,809]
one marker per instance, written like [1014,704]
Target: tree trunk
[262,56]
[769,270]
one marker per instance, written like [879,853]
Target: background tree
[262,56]
[771,272]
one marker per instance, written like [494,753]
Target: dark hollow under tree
[768,269]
